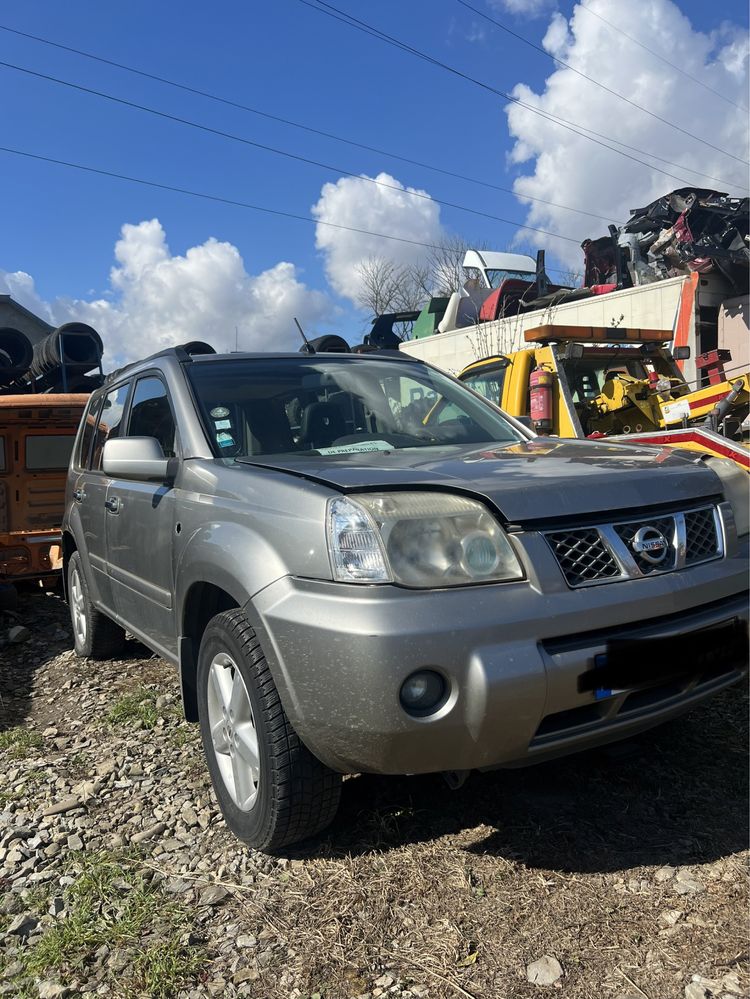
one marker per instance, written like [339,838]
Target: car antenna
[308,346]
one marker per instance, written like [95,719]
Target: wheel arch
[203,601]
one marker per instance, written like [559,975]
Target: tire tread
[305,792]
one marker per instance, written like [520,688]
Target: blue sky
[60,226]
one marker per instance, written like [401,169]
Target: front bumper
[512,654]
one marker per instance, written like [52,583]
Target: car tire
[271,789]
[95,636]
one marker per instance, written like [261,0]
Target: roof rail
[184,352]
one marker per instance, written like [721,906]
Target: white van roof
[494,261]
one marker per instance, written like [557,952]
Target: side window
[151,414]
[488,383]
[109,424]
[87,434]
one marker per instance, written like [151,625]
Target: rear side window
[49,451]
[109,424]
[151,414]
[87,435]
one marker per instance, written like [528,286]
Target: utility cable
[280,152]
[656,55]
[211,197]
[226,201]
[598,83]
[294,124]
[350,21]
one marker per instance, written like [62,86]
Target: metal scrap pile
[691,229]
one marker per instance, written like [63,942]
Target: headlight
[419,539]
[735,485]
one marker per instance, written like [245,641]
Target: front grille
[666,527]
[701,539]
[603,553]
[582,556]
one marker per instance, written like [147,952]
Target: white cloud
[355,202]
[570,170]
[158,299]
[525,8]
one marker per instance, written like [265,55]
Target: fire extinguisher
[540,398]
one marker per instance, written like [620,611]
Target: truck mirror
[681,353]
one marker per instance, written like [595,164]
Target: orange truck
[37,432]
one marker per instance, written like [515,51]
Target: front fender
[231,556]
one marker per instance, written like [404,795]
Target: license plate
[633,664]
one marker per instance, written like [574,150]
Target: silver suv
[357,564]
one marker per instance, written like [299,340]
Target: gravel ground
[618,874]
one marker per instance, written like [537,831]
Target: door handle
[113,504]
[79,495]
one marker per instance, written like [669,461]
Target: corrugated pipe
[75,346]
[16,354]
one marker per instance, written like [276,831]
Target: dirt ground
[622,870]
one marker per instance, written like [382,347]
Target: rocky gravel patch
[619,873]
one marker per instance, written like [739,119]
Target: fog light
[422,692]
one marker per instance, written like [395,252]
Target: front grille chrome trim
[701,540]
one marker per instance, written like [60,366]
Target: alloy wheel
[233,733]
[78,607]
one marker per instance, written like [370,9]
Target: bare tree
[385,286]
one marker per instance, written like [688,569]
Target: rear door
[140,520]
[90,487]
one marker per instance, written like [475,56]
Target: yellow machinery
[606,382]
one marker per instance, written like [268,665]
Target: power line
[141,181]
[352,22]
[280,152]
[656,55]
[294,124]
[211,197]
[598,83]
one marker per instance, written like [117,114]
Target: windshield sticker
[223,424]
[360,446]
[220,412]
[224,440]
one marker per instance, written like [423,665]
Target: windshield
[337,405]
[496,277]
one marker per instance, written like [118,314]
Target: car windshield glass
[496,277]
[332,405]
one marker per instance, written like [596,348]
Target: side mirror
[136,458]
[681,353]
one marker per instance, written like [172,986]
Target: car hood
[539,479]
